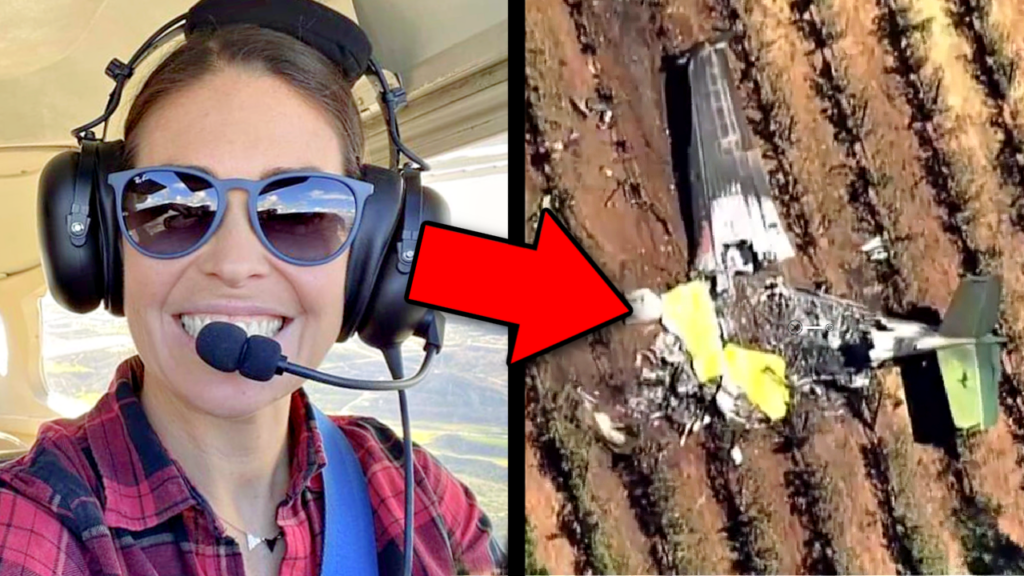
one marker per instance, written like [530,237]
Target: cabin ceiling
[451,55]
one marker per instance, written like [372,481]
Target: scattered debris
[749,354]
[646,306]
[737,456]
[608,429]
[735,357]
[580,106]
[875,250]
[598,104]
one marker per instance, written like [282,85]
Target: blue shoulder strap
[350,544]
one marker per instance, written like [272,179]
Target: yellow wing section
[762,376]
[689,312]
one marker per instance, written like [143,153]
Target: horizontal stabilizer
[970,375]
[974,310]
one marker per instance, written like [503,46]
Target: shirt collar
[142,484]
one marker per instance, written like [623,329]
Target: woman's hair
[259,50]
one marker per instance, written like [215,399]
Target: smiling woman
[81,351]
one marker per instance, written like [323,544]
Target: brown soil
[543,505]
[926,255]
[973,138]
[767,468]
[1008,16]
[930,493]
[817,158]
[627,539]
[700,512]
[837,447]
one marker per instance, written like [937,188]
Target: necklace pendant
[253,541]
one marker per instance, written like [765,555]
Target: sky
[474,182]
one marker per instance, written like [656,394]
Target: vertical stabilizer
[974,310]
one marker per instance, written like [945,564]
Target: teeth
[264,326]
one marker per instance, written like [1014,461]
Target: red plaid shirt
[100,495]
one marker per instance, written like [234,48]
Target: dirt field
[909,131]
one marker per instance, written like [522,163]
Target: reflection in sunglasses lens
[168,212]
[307,218]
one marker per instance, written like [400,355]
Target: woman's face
[238,125]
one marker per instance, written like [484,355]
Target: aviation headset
[78,227]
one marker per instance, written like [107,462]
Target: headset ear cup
[74,273]
[111,159]
[389,319]
[381,216]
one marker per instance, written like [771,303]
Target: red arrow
[552,292]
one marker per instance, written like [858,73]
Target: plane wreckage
[737,340]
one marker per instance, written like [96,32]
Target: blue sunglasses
[304,218]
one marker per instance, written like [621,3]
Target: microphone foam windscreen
[220,345]
[259,359]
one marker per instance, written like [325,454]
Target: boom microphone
[227,348]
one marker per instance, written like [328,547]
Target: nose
[234,253]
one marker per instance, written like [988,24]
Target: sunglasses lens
[307,218]
[168,212]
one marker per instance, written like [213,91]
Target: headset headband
[331,33]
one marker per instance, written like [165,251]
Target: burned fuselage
[725,197]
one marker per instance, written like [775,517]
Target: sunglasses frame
[360,189]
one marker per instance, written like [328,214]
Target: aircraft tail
[971,372]
[970,375]
[974,310]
